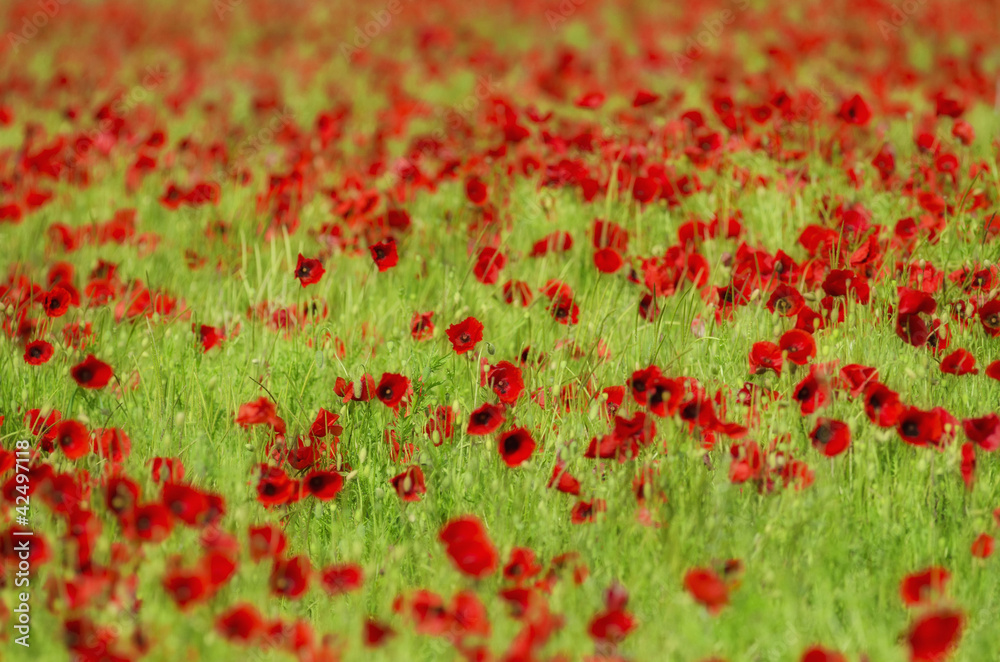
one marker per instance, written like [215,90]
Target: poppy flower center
[993,321]
[482,418]
[270,489]
[379,253]
[144,523]
[302,272]
[783,305]
[85,374]
[35,352]
[511,445]
[804,394]
[824,434]
[911,429]
[385,393]
[465,338]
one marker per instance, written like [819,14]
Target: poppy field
[507,331]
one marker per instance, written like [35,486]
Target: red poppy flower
[421,326]
[275,487]
[342,578]
[409,485]
[392,388]
[664,396]
[607,234]
[516,446]
[932,636]
[308,270]
[959,362]
[506,381]
[37,352]
[290,577]
[982,546]
[640,381]
[968,465]
[984,431]
[266,541]
[919,427]
[799,346]
[707,588]
[585,512]
[325,424]
[209,337]
[919,587]
[324,485]
[150,523]
[882,405]
[519,291]
[384,254]
[485,419]
[521,565]
[563,481]
[442,422]
[855,111]
[590,100]
[242,623]
[465,335]
[856,378]
[611,626]
[260,412]
[644,98]
[830,437]
[185,587]
[608,260]
[166,468]
[489,262]
[112,444]
[564,310]
[989,317]
[91,372]
[376,634]
[786,301]
[56,301]
[820,654]
[469,547]
[475,191]
[765,356]
[558,241]
[186,503]
[812,392]
[73,438]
